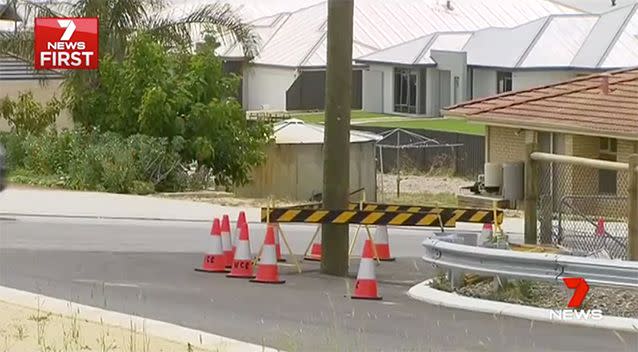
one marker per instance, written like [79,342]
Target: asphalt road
[146,269]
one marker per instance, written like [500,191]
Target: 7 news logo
[580,287]
[66,43]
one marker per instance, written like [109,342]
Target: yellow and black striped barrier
[382,207]
[435,216]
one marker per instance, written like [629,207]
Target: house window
[470,83]
[503,82]
[457,83]
[405,91]
[607,178]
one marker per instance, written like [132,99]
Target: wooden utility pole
[632,239]
[336,149]
[531,194]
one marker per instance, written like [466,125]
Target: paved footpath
[146,268]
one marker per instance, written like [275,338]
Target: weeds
[20,332]
[103,344]
[41,319]
[441,282]
[16,337]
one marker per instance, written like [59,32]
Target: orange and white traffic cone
[267,270]
[315,250]
[486,233]
[241,219]
[214,260]
[227,245]
[280,258]
[382,243]
[600,227]
[366,285]
[242,260]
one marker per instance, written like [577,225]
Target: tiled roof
[581,105]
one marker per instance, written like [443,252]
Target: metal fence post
[531,194]
[632,225]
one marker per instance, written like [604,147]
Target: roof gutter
[544,127]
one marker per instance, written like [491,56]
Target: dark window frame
[608,179]
[503,82]
[406,90]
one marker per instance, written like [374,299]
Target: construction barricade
[381,215]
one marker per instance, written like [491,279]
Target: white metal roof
[559,42]
[295,131]
[583,41]
[298,41]
[501,47]
[595,6]
[417,51]
[624,51]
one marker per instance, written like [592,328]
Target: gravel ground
[612,301]
[447,187]
[423,184]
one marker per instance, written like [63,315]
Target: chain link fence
[583,209]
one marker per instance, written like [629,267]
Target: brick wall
[625,149]
[505,145]
[584,180]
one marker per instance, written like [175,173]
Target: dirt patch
[421,184]
[25,329]
[225,199]
[415,189]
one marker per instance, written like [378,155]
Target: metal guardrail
[530,266]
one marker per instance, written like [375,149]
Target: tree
[180,95]
[120,21]
[151,82]
[336,170]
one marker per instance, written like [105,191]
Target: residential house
[423,75]
[289,72]
[594,117]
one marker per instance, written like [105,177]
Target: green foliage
[26,115]
[186,98]
[96,161]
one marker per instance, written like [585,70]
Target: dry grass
[444,199]
[25,329]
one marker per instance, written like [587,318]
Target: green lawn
[446,125]
[319,116]
[391,121]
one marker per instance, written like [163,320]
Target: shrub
[184,97]
[90,160]
[25,115]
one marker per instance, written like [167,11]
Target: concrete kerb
[151,327]
[423,292]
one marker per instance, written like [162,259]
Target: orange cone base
[268,274]
[366,289]
[279,257]
[212,271]
[228,255]
[210,264]
[315,253]
[242,269]
[383,251]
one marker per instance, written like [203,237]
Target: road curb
[423,292]
[155,328]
